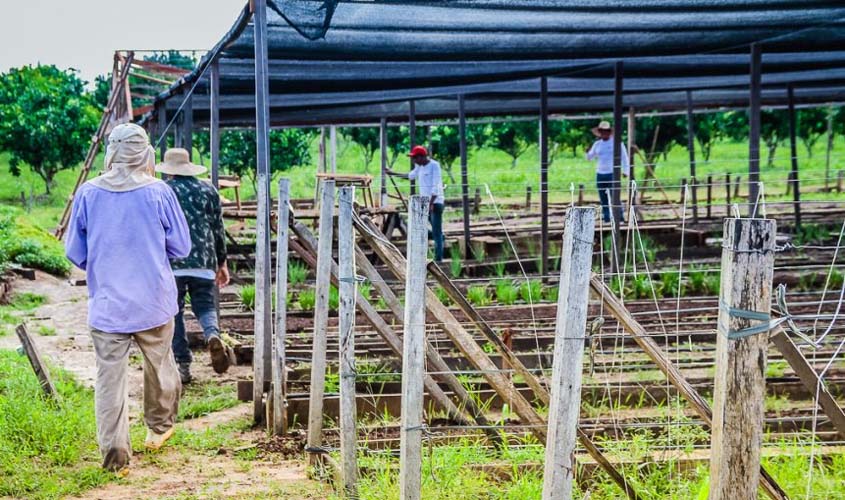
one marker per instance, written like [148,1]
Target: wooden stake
[527,197]
[280,423]
[740,386]
[37,364]
[382,140]
[346,359]
[727,195]
[321,317]
[709,196]
[413,354]
[570,334]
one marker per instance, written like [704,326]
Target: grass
[531,291]
[478,296]
[297,272]
[306,299]
[202,398]
[247,296]
[506,292]
[47,449]
[26,244]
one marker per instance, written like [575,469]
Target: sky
[83,34]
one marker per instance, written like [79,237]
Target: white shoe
[155,440]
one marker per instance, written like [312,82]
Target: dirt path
[177,471]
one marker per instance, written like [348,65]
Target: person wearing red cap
[430,181]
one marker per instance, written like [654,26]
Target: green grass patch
[22,242]
[47,449]
[202,398]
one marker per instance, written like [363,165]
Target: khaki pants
[162,388]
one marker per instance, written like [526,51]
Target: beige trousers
[162,388]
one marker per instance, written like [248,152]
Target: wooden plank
[570,335]
[263,297]
[740,383]
[321,315]
[809,378]
[413,353]
[685,389]
[37,364]
[278,364]
[346,342]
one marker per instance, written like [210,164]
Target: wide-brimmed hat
[177,162]
[603,125]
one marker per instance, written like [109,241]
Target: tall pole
[161,118]
[413,352]
[617,142]
[214,124]
[754,131]
[544,176]
[333,148]
[793,151]
[412,130]
[280,421]
[632,137]
[691,149]
[188,125]
[462,132]
[263,297]
[382,139]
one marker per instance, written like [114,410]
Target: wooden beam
[570,335]
[346,332]
[280,423]
[38,366]
[739,390]
[616,198]
[413,353]
[321,316]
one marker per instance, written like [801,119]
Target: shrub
[477,295]
[307,299]
[28,245]
[811,234]
[506,292]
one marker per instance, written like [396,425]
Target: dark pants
[436,218]
[201,292]
[604,183]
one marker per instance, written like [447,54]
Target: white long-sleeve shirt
[603,151]
[429,180]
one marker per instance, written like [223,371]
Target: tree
[173,58]
[399,141]
[774,128]
[656,135]
[102,90]
[367,139]
[288,148]
[812,125]
[709,129]
[446,144]
[568,135]
[46,120]
[514,138]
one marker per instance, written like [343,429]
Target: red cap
[418,151]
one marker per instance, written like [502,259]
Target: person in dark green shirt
[205,267]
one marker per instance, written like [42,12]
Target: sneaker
[155,440]
[220,359]
[185,373]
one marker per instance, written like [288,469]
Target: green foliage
[27,301]
[23,243]
[477,295]
[334,298]
[367,140]
[173,58]
[399,143]
[811,234]
[670,281]
[531,291]
[456,267]
[569,135]
[506,292]
[442,295]
[514,138]
[290,147]
[46,120]
[46,331]
[47,449]
[550,293]
[202,398]
[247,296]
[499,268]
[640,287]
[364,289]
[702,282]
[297,272]
[307,299]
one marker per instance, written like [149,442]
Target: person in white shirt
[602,153]
[430,182]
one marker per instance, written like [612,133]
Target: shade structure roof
[360,61]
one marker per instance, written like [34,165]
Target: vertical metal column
[544,176]
[616,198]
[161,119]
[382,139]
[793,151]
[188,125]
[691,149]
[263,304]
[462,132]
[754,131]
[214,124]
[412,130]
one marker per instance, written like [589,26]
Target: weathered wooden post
[382,141]
[412,132]
[727,195]
[321,317]
[544,177]
[346,324]
[413,353]
[527,197]
[709,196]
[570,334]
[793,152]
[462,132]
[754,129]
[214,123]
[280,421]
[741,346]
[580,194]
[691,148]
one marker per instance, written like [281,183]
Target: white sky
[83,34]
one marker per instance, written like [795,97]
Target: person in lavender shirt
[124,227]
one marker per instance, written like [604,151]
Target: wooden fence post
[570,331]
[413,353]
[528,197]
[37,364]
[727,195]
[741,345]
[321,316]
[346,320]
[709,196]
[280,422]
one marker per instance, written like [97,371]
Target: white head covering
[129,162]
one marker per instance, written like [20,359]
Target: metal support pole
[739,390]
[161,118]
[383,149]
[413,353]
[632,140]
[188,126]
[544,177]
[263,297]
[333,148]
[280,420]
[214,124]
[462,131]
[793,151]
[754,131]
[691,149]
[616,200]
[346,333]
[412,130]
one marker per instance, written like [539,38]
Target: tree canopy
[46,120]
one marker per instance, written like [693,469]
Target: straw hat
[603,125]
[177,162]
